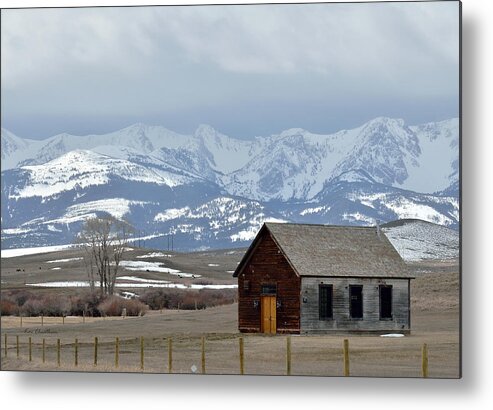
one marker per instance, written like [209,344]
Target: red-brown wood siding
[267,265]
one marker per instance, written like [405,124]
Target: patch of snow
[116,207]
[154,267]
[64,260]
[15,231]
[392,335]
[154,255]
[172,213]
[419,240]
[57,268]
[406,209]
[212,264]
[137,279]
[315,210]
[85,284]
[12,253]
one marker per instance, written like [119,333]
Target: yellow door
[268,312]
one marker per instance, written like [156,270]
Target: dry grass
[435,321]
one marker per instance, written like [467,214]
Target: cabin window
[269,289]
[356,301]
[385,302]
[325,302]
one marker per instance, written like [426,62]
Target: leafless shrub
[114,305]
[8,308]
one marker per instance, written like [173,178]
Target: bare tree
[104,240]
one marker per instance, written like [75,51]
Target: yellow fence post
[346,357]
[424,360]
[288,356]
[170,355]
[141,353]
[117,352]
[58,353]
[30,349]
[76,352]
[43,354]
[242,358]
[96,351]
[17,345]
[203,355]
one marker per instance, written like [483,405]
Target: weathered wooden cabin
[298,278]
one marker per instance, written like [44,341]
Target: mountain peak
[205,130]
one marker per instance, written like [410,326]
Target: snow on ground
[147,284]
[154,255]
[57,268]
[408,209]
[12,253]
[154,267]
[392,335]
[137,279]
[15,231]
[418,240]
[116,207]
[64,260]
[212,264]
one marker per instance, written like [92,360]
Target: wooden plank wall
[268,266]
[310,322]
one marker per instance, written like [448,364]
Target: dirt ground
[435,321]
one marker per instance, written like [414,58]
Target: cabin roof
[331,250]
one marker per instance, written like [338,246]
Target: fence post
[63,319]
[346,357]
[58,348]
[141,353]
[5,344]
[96,351]
[242,358]
[42,320]
[117,352]
[424,360]
[170,355]
[17,345]
[288,356]
[30,349]
[21,319]
[76,352]
[44,350]
[84,316]
[203,355]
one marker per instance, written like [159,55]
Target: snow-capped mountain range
[211,190]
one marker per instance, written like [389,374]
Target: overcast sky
[245,70]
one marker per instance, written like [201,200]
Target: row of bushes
[28,303]
[86,303]
[187,299]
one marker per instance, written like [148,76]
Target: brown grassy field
[435,321]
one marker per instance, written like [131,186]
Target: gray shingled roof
[324,250]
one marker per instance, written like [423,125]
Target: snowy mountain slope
[439,144]
[354,198]
[297,164]
[81,169]
[213,190]
[294,164]
[417,240]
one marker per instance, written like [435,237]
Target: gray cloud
[84,70]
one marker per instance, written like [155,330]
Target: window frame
[351,303]
[329,302]
[380,287]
